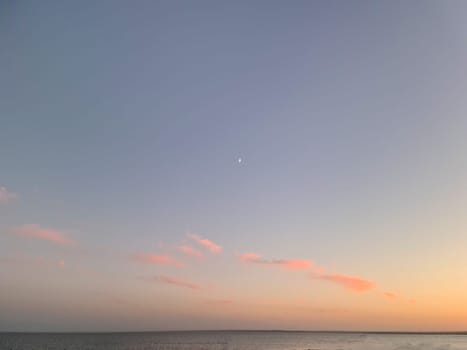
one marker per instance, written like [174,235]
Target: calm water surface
[231,341]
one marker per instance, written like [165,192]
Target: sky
[173,165]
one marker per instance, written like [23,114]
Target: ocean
[231,340]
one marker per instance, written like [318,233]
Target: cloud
[6,196]
[353,283]
[38,232]
[293,264]
[213,247]
[390,295]
[189,251]
[253,258]
[157,259]
[177,282]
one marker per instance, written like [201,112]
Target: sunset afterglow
[172,165]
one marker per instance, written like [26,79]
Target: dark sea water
[231,341]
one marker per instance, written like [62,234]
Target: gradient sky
[233,164]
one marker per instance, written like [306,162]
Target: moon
[239,160]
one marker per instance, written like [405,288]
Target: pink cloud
[177,282]
[252,258]
[294,264]
[157,259]
[390,295]
[189,251]
[213,247]
[35,231]
[353,283]
[6,196]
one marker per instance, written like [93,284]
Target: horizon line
[464,332]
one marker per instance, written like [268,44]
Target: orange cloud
[6,196]
[189,251]
[390,295]
[35,231]
[293,264]
[353,283]
[177,282]
[213,247]
[157,259]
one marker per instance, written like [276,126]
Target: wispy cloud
[390,295]
[189,251]
[290,264]
[353,283]
[38,232]
[293,264]
[213,247]
[156,259]
[177,282]
[6,196]
[253,258]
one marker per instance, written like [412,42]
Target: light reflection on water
[230,341]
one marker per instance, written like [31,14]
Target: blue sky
[122,124]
